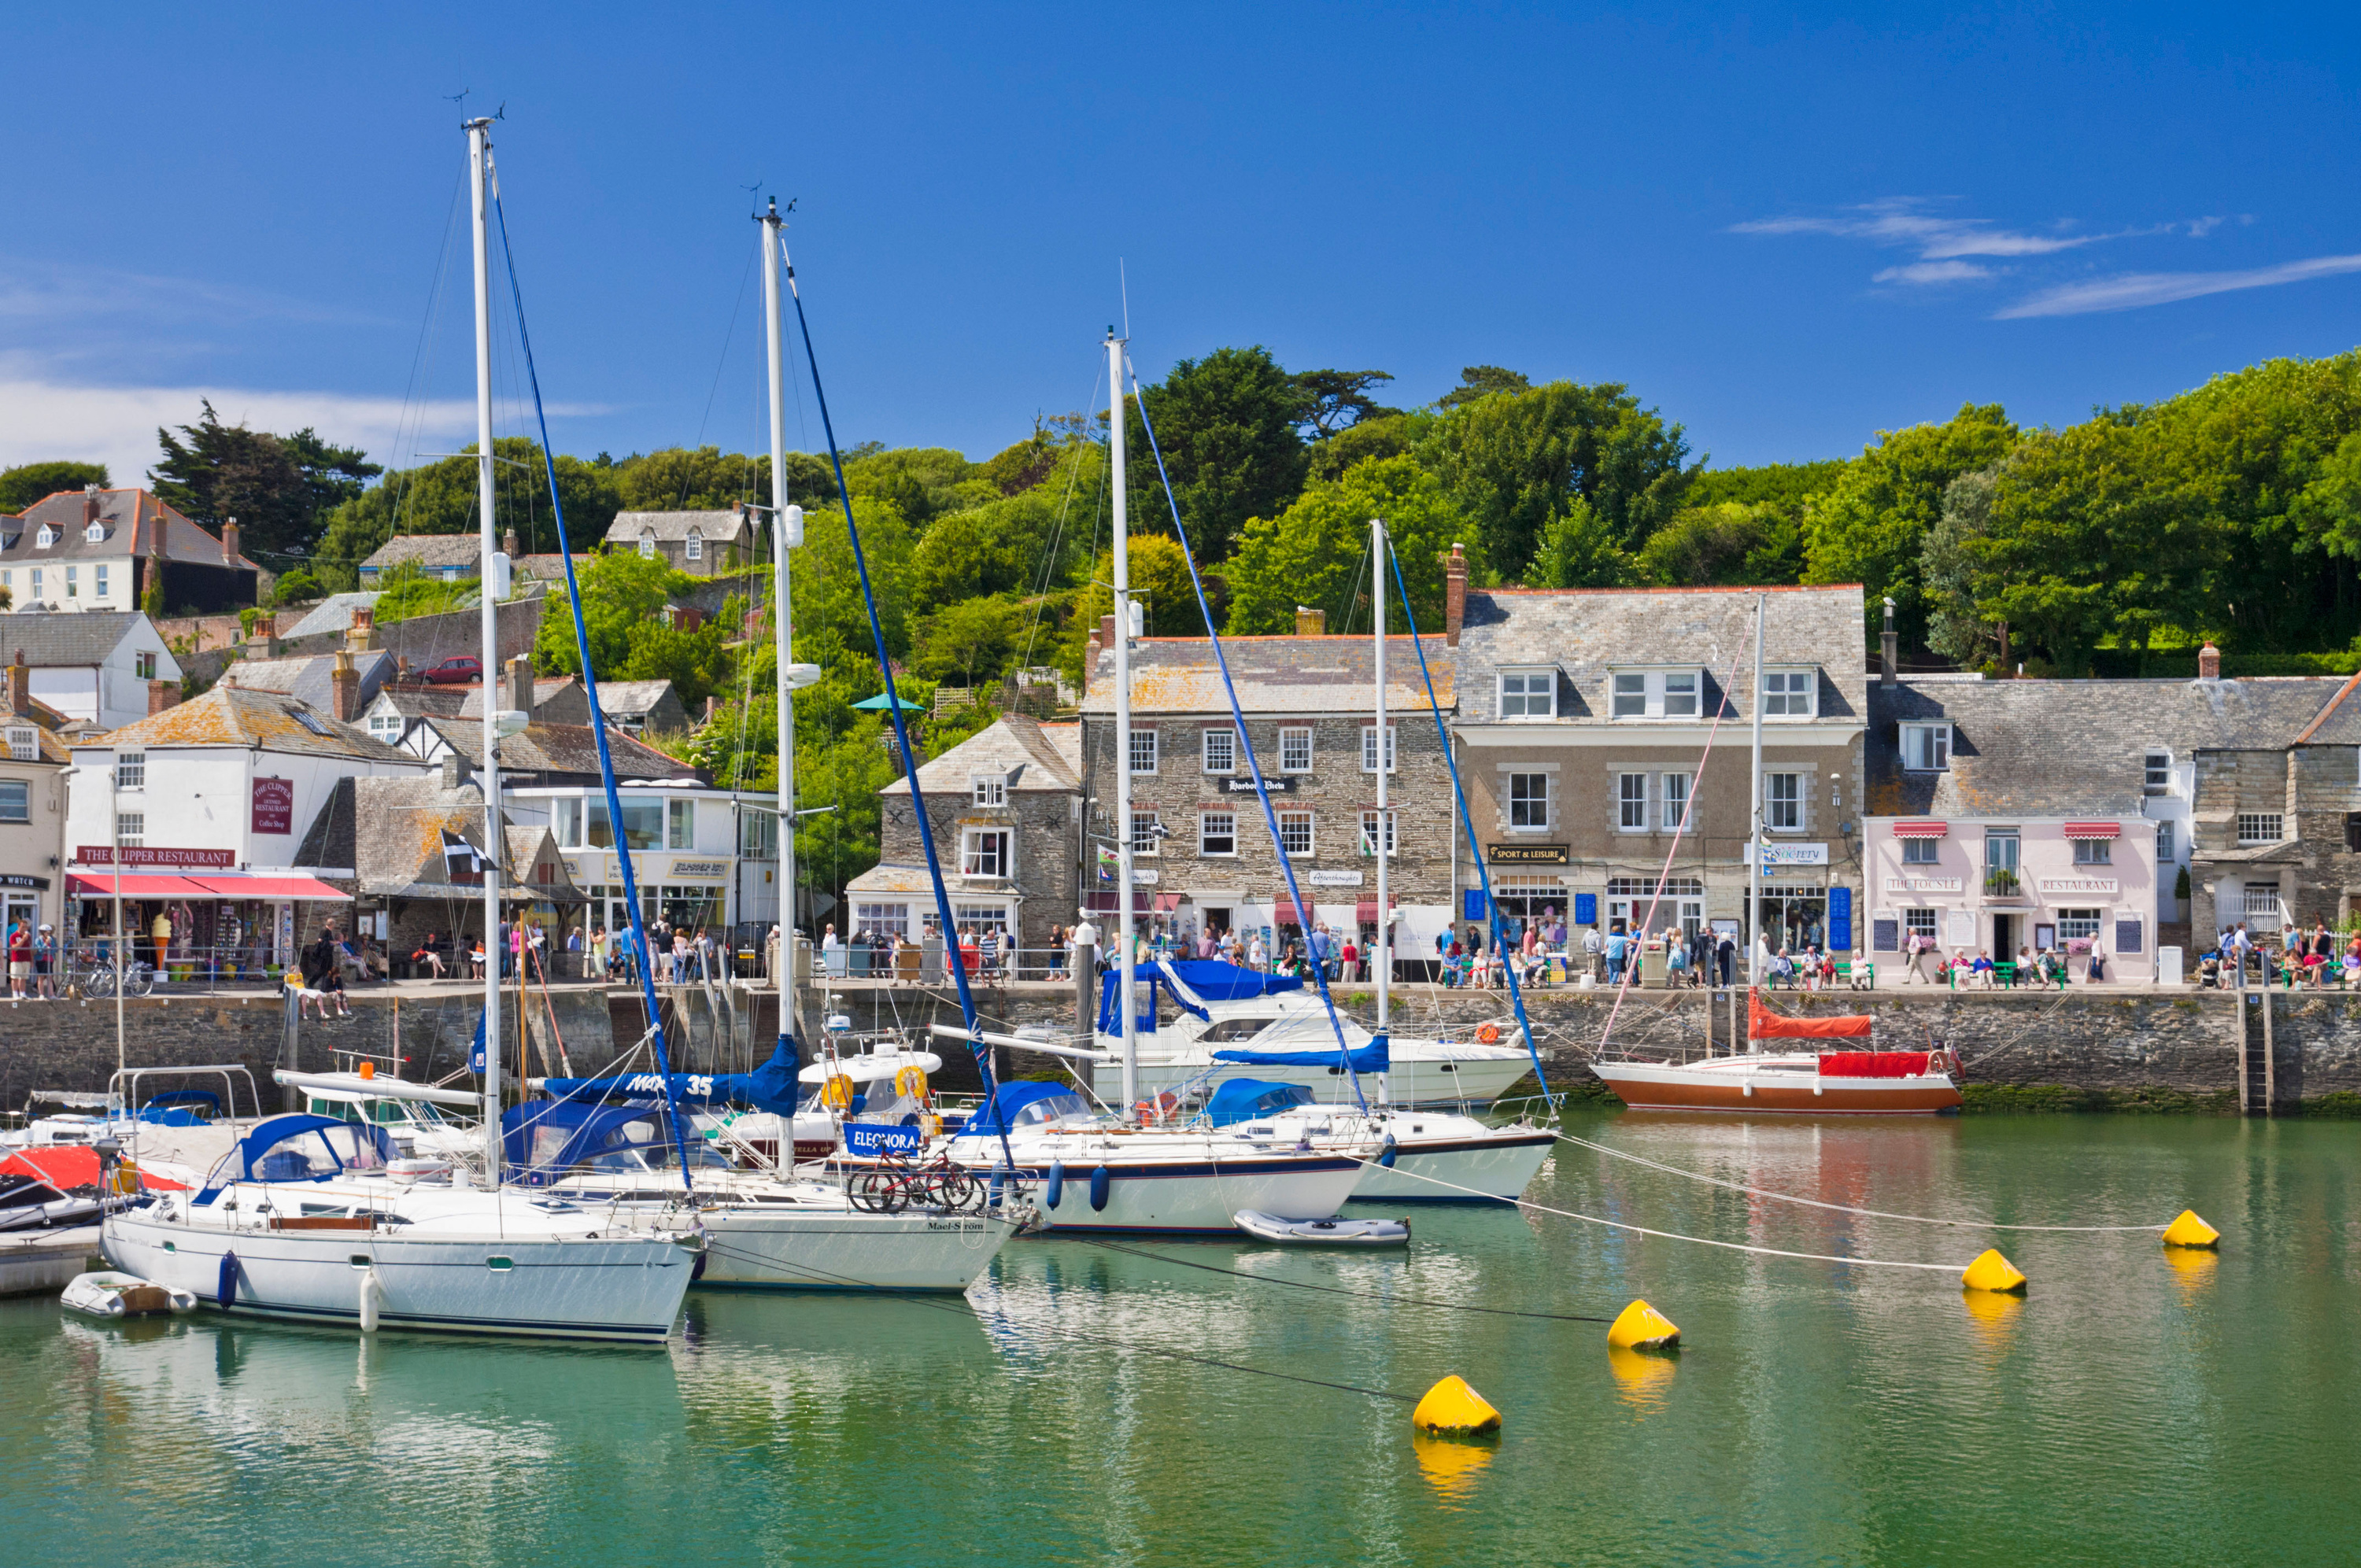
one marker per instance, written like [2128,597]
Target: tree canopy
[1227,427]
[278,486]
[28,482]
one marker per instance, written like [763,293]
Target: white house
[700,856]
[98,667]
[100,549]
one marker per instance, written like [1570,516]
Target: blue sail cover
[771,1087]
[543,1137]
[1214,982]
[1375,1057]
[998,1113]
[1243,1099]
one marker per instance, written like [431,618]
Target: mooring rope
[1389,1299]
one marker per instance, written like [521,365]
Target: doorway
[2004,937]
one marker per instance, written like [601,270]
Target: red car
[459,671]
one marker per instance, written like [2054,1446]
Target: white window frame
[1676,694]
[2072,924]
[94,534]
[2094,852]
[1520,689]
[143,665]
[1791,808]
[73,582]
[130,828]
[1630,803]
[1143,747]
[15,801]
[1289,822]
[23,744]
[680,824]
[98,573]
[1932,741]
[1369,833]
[2156,770]
[883,920]
[130,770]
[1369,749]
[2167,851]
[1217,751]
[991,789]
[974,860]
[1291,759]
[1783,690]
[1518,800]
[1145,839]
[47,537]
[692,546]
[1922,851]
[647,549]
[1207,835]
[1677,806]
[37,584]
[2261,827]
[1919,922]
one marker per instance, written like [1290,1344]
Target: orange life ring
[1160,1109]
[1488,1033]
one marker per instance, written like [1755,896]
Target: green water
[2128,1410]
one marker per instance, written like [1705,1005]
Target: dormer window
[991,789]
[1927,747]
[647,545]
[1789,693]
[693,547]
[1528,694]
[47,537]
[1656,694]
[96,534]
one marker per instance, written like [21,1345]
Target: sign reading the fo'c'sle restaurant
[274,806]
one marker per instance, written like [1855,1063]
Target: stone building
[1584,717]
[1203,849]
[104,550]
[1004,807]
[701,543]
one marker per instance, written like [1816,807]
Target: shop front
[2013,891]
[203,925]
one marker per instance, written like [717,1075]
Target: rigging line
[1392,1300]
[1668,1236]
[1057,537]
[728,341]
[1837,1208]
[597,727]
[1459,798]
[1237,716]
[413,414]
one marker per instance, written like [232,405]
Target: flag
[462,861]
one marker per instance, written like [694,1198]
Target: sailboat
[315,1218]
[1858,1083]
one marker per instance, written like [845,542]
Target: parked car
[456,672]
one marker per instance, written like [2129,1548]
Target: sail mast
[787,531]
[479,158]
[1753,924]
[1384,838]
[1124,895]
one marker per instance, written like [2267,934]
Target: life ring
[1488,1033]
[836,1092]
[911,1082]
[1160,1109]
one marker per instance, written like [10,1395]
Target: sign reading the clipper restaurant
[274,806]
[1525,854]
[155,855]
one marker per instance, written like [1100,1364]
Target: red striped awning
[1922,830]
[2094,829]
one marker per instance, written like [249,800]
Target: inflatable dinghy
[1337,1232]
[109,1295]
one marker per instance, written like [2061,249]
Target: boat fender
[1056,1189]
[1102,1178]
[696,1269]
[372,1300]
[226,1289]
[1386,1156]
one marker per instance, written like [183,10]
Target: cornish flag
[462,861]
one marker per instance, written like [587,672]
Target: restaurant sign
[1525,854]
[1334,879]
[1247,785]
[2094,886]
[274,806]
[156,855]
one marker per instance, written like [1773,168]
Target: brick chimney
[1309,623]
[362,636]
[263,640]
[229,538]
[712,708]
[2209,662]
[519,686]
[162,694]
[1106,632]
[1455,594]
[89,505]
[344,688]
[20,686]
[509,544]
[1889,644]
[400,667]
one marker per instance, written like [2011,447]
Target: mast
[787,529]
[1385,914]
[1122,722]
[1754,832]
[479,160]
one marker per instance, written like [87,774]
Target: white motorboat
[417,1128]
[763,1231]
[1425,1156]
[106,1294]
[304,1220]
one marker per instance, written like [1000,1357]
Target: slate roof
[133,519]
[66,638]
[551,566]
[673,526]
[1012,745]
[334,613]
[566,749]
[1588,632]
[431,551]
[2078,747]
[229,716]
[310,680]
[1273,674]
[400,847]
[894,879]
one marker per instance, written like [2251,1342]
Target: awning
[1366,912]
[1284,913]
[1143,902]
[308,889]
[82,884]
[1921,829]
[2094,829]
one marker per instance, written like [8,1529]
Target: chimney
[89,505]
[712,708]
[1455,594]
[362,637]
[520,684]
[1090,663]
[162,694]
[344,688]
[2209,662]
[20,689]
[456,770]
[1309,623]
[400,667]
[1889,644]
[229,538]
[509,544]
[262,639]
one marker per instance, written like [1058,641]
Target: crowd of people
[2317,958]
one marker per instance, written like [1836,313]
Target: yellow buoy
[1642,1327]
[1451,1409]
[1993,1272]
[2191,1231]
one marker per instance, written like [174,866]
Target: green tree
[1581,549]
[298,586]
[1481,381]
[279,488]
[440,497]
[919,482]
[975,642]
[1784,486]
[1316,553]
[1333,401]
[1870,526]
[1039,538]
[1956,628]
[1728,542]
[1226,424]
[28,482]
[830,619]
[622,595]
[1387,434]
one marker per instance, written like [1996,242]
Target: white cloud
[1905,223]
[1933,272]
[2131,291]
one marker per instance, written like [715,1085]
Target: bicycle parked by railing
[896,1183]
[98,980]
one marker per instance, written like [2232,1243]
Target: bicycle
[896,1183]
[139,979]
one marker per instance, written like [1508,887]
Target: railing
[2002,882]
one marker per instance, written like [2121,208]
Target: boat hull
[1470,1082]
[625,1288]
[1646,1086]
[1498,1168]
[765,1248]
[1195,1198]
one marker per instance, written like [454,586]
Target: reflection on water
[1819,1414]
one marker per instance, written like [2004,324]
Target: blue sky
[1786,230]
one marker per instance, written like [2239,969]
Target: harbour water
[2135,1406]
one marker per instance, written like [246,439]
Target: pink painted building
[2006,884]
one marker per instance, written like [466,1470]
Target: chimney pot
[1889,644]
[229,538]
[509,544]
[1309,623]
[520,684]
[344,688]
[89,504]
[2209,662]
[20,688]
[1455,594]
[362,636]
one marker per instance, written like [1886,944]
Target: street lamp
[114,858]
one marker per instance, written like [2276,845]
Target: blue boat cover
[257,1156]
[771,1087]
[1375,1057]
[543,1137]
[1214,982]
[1243,1099]
[998,1113]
